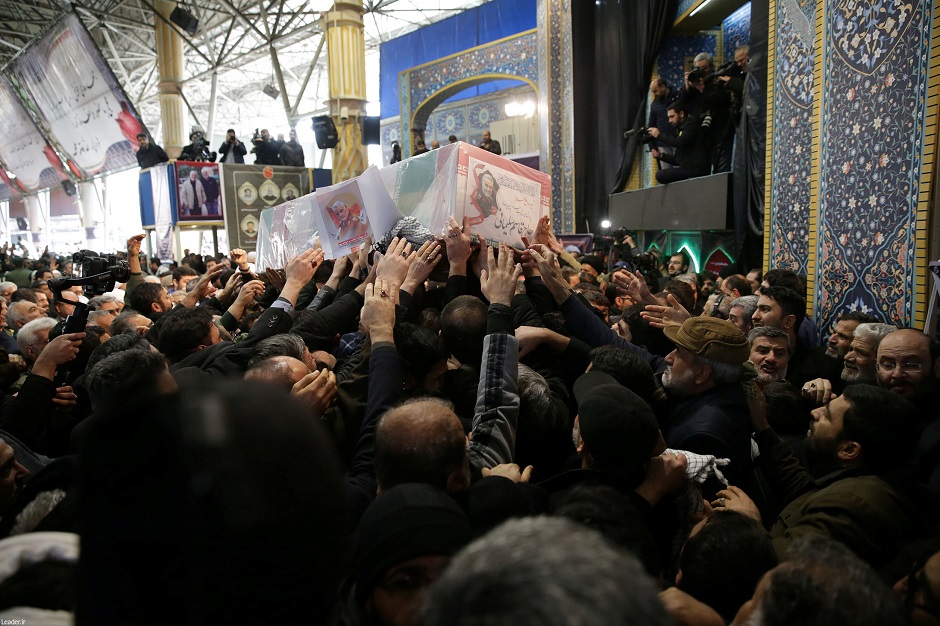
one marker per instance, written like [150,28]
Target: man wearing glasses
[908,364]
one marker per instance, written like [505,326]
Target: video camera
[95,273]
[728,69]
[200,148]
[642,134]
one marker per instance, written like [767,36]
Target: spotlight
[605,224]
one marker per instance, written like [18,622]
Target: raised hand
[57,352]
[548,267]
[239,259]
[316,390]
[425,260]
[498,280]
[133,253]
[635,286]
[378,312]
[457,242]
[202,287]
[393,267]
[660,316]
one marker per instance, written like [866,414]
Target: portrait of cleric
[483,196]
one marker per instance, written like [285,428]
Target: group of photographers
[267,150]
[691,133]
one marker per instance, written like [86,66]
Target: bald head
[421,442]
[908,363]
[280,371]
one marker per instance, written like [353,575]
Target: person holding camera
[266,149]
[232,151]
[659,117]
[691,156]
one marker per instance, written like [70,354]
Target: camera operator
[233,150]
[732,75]
[691,156]
[265,149]
[197,150]
[659,117]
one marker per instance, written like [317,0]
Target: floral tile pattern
[874,100]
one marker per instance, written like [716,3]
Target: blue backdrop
[486,23]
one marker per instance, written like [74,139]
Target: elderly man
[65,303]
[858,366]
[6,290]
[707,413]
[34,337]
[22,312]
[742,312]
[844,330]
[770,353]
[908,364]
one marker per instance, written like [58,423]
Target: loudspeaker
[370,131]
[68,187]
[326,132]
[185,20]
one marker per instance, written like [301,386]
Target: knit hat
[405,522]
[712,338]
[617,426]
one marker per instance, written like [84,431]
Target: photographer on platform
[691,157]
[659,117]
[265,149]
[198,149]
[232,151]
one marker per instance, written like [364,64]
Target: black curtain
[614,45]
[750,146]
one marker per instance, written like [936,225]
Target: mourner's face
[740,59]
[486,135]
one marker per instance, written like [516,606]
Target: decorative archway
[423,111]
[423,87]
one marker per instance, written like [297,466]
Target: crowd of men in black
[267,150]
[455,434]
[691,131]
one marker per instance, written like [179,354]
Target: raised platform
[696,204]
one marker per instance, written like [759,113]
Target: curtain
[614,47]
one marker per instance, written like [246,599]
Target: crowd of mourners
[450,433]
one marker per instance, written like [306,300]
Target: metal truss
[235,50]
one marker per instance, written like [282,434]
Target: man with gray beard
[858,365]
[708,413]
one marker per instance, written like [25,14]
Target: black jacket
[691,151]
[238,150]
[151,155]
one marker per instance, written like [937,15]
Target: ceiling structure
[234,42]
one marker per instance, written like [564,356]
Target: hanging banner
[81,102]
[248,189]
[198,193]
[24,151]
[161,179]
